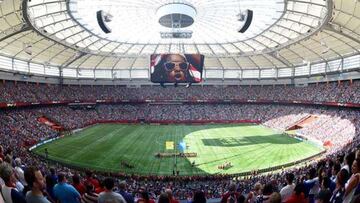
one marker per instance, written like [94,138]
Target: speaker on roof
[246,16]
[102,19]
[27,48]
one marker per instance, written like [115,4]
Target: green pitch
[248,147]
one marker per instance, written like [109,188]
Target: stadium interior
[169,101]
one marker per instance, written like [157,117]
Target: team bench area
[165,155]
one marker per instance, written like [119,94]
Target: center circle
[176,15]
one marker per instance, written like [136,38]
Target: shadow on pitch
[248,140]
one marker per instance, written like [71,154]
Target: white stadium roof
[287,38]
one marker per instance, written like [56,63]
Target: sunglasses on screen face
[171,65]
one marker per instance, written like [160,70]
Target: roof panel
[62,57]
[243,47]
[205,49]
[190,48]
[176,48]
[212,63]
[125,63]
[230,48]
[7,7]
[148,49]
[141,63]
[229,63]
[91,62]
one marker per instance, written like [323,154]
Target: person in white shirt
[349,159]
[19,171]
[353,182]
[287,191]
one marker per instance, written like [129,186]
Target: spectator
[241,199]
[64,192]
[298,195]
[312,185]
[109,195]
[323,196]
[266,192]
[287,191]
[353,182]
[79,186]
[231,195]
[2,156]
[326,183]
[199,197]
[50,187]
[90,196]
[349,159]
[122,191]
[257,192]
[275,197]
[19,172]
[91,180]
[144,197]
[338,194]
[8,190]
[171,197]
[335,170]
[53,175]
[36,182]
[164,198]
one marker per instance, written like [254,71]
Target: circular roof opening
[142,21]
[176,15]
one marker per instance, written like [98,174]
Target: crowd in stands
[344,92]
[334,178]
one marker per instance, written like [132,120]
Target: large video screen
[176,68]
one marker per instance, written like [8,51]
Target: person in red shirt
[2,156]
[298,195]
[91,180]
[171,198]
[144,197]
[79,186]
[231,192]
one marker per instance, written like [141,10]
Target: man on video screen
[176,68]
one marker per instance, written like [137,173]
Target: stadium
[168,101]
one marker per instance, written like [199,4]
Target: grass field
[246,146]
